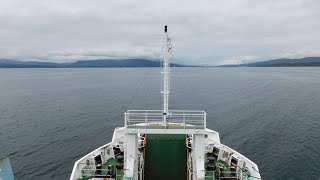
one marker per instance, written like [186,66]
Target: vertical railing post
[205,119]
[184,120]
[146,119]
[125,119]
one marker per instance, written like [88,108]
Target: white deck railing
[154,118]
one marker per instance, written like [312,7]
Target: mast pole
[165,76]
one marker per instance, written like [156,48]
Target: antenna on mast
[166,75]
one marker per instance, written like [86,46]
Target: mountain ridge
[283,62]
[10,63]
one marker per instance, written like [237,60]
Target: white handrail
[185,118]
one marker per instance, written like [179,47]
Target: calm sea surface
[49,118]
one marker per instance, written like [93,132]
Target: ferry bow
[166,145]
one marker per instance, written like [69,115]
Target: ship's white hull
[210,140]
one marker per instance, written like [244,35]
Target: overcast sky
[202,32]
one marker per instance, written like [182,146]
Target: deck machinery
[165,145]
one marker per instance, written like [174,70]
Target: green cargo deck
[104,169]
[165,157]
[213,174]
[112,162]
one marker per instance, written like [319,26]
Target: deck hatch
[165,157]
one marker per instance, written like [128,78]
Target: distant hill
[306,64]
[307,61]
[119,63]
[7,63]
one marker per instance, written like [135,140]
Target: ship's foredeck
[165,157]
[181,147]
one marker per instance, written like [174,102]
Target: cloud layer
[203,32]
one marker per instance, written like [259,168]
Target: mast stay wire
[186,83]
[143,83]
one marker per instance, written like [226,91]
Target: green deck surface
[210,175]
[112,162]
[166,157]
[104,169]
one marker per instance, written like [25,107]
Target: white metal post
[145,120]
[205,119]
[165,76]
[125,119]
[184,120]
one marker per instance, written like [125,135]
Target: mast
[166,75]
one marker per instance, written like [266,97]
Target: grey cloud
[203,32]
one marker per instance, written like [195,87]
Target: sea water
[49,118]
